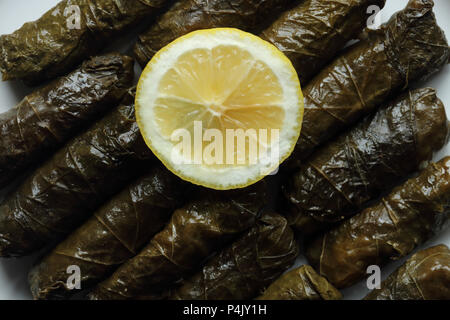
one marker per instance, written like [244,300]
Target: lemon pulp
[225,80]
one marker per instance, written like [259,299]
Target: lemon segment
[220,108]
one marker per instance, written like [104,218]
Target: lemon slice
[220,108]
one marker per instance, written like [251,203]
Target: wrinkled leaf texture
[116,233]
[249,265]
[208,222]
[54,44]
[45,119]
[58,196]
[425,276]
[364,162]
[409,216]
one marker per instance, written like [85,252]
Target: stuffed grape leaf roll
[410,47]
[409,216]
[190,15]
[302,283]
[425,276]
[67,188]
[360,164]
[67,34]
[210,220]
[311,33]
[49,116]
[244,269]
[116,233]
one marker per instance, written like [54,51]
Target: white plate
[13,13]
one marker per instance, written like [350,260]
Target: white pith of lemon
[223,79]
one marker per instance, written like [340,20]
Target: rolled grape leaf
[244,269]
[209,221]
[190,15]
[360,164]
[48,117]
[301,284]
[410,215]
[67,34]
[425,276]
[116,233]
[311,33]
[70,186]
[410,47]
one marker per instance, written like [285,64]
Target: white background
[13,13]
